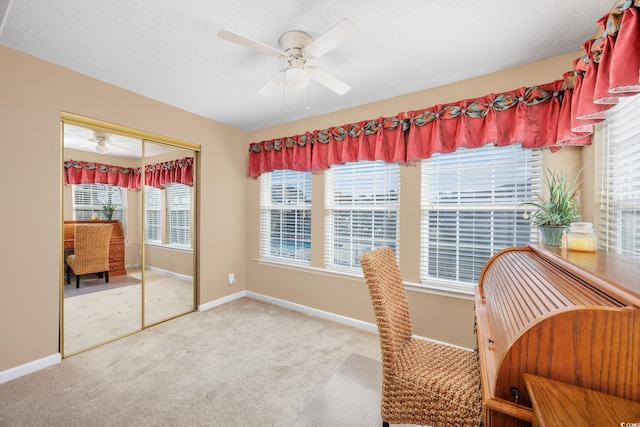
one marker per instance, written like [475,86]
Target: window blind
[178,230]
[89,198]
[285,203]
[152,219]
[618,211]
[472,208]
[362,205]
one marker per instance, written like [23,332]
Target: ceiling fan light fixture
[101,146]
[296,78]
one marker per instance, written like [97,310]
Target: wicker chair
[91,251]
[423,382]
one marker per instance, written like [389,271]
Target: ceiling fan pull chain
[284,88]
[308,97]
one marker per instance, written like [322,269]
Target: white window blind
[88,200]
[178,214]
[618,213]
[152,219]
[472,208]
[285,203]
[362,205]
[168,215]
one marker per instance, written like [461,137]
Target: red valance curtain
[609,68]
[80,172]
[528,116]
[160,174]
[157,175]
[549,115]
[380,139]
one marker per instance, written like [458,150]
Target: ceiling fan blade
[234,37]
[329,81]
[276,81]
[337,35]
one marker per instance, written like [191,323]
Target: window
[285,205]
[152,219]
[362,204]
[89,198]
[168,215]
[618,213]
[472,208]
[179,214]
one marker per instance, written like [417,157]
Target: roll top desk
[568,316]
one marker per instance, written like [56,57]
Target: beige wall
[34,93]
[445,318]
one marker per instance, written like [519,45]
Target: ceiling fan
[297,47]
[101,139]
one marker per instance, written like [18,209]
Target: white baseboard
[27,368]
[315,312]
[223,300]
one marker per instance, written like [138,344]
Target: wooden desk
[546,313]
[555,403]
[116,245]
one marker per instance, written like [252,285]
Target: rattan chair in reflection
[91,251]
[423,382]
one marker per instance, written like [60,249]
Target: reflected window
[152,215]
[168,215]
[89,201]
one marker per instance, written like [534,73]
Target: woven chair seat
[434,384]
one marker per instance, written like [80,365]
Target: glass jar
[581,237]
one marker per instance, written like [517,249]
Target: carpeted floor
[245,363]
[99,312]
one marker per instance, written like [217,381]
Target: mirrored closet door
[143,192]
[169,197]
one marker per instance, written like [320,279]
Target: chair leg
[106,276]
[385,424]
[77,281]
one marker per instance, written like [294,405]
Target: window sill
[172,247]
[462,292]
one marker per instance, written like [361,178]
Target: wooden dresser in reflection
[116,245]
[567,316]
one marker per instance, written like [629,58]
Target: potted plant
[557,208]
[107,210]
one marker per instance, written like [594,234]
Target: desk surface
[559,404]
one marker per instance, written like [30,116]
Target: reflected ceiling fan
[101,139]
[105,144]
[296,48]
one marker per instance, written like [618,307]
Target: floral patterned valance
[549,115]
[156,175]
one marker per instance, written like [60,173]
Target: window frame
[285,194]
[363,175]
[618,180]
[93,192]
[163,219]
[495,201]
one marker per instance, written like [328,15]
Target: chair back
[91,247]
[390,303]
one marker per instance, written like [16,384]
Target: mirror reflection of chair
[423,382]
[91,251]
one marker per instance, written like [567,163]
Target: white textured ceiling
[169,50]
